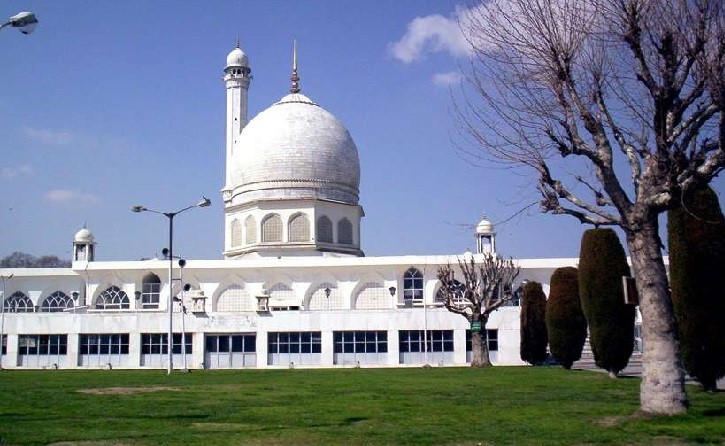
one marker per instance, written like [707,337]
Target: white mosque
[294,288]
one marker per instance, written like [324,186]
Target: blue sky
[111,104]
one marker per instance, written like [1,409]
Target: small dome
[296,149]
[237,58]
[484,227]
[83,236]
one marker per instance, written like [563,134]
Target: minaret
[236,79]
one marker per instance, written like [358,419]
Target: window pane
[237,343]
[223,343]
[250,343]
[211,342]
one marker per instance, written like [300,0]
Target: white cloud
[8,173]
[47,136]
[432,33]
[70,197]
[446,79]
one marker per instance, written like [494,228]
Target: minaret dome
[237,59]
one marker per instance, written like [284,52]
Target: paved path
[634,368]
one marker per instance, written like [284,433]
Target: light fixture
[25,22]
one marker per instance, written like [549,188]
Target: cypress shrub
[602,263]
[696,233]
[565,322]
[533,324]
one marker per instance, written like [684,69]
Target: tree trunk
[479,347]
[663,382]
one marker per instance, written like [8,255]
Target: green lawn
[462,406]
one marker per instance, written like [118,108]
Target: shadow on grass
[714,412]
[353,420]
[177,417]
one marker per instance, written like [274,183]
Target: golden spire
[295,79]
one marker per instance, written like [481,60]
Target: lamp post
[2,319]
[170,215]
[25,22]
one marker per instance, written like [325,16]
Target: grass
[461,406]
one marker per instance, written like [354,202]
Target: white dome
[296,149]
[83,236]
[237,58]
[484,227]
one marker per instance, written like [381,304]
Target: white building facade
[293,290]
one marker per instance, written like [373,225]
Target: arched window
[344,232]
[250,228]
[235,298]
[150,291]
[412,285]
[272,229]
[236,229]
[18,302]
[112,299]
[324,229]
[299,228]
[57,301]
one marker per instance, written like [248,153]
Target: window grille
[18,302]
[344,232]
[250,229]
[272,229]
[58,301]
[113,298]
[324,229]
[299,228]
[235,298]
[373,296]
[236,230]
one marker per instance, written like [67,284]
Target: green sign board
[475,326]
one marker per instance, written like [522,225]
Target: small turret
[485,238]
[84,246]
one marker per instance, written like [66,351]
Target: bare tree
[617,106]
[485,287]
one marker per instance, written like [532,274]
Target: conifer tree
[696,233]
[602,264]
[565,321]
[533,326]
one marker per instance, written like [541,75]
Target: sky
[112,104]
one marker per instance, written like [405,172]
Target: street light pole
[2,320]
[170,215]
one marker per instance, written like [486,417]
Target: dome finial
[295,79]
[238,45]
